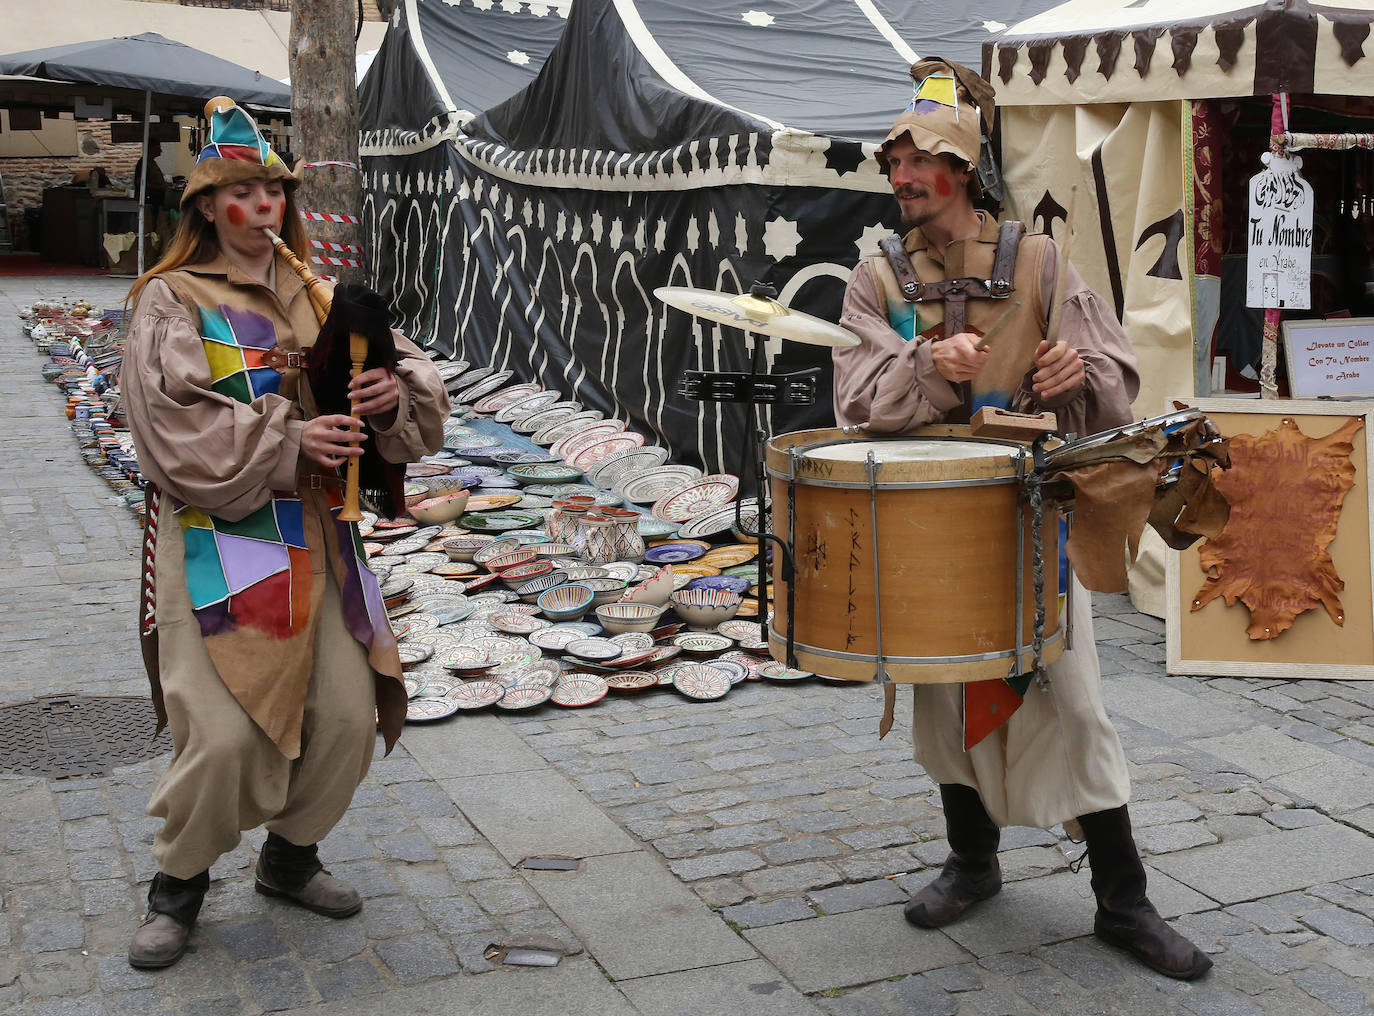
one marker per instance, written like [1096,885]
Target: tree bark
[324,117]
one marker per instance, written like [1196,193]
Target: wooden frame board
[1213,641]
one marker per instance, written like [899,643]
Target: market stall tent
[1131,104]
[532,172]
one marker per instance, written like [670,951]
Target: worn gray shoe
[159,942]
[323,893]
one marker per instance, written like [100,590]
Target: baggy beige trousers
[1058,756]
[226,775]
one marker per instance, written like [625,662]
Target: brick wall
[25,178]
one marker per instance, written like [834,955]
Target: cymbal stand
[759,387]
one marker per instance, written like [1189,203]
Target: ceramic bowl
[605,590]
[619,618]
[656,589]
[438,511]
[461,548]
[530,589]
[705,608]
[521,573]
[509,559]
[567,602]
[494,548]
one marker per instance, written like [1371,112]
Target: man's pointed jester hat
[234,150]
[949,110]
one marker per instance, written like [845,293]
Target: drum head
[905,450]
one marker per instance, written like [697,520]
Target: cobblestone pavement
[749,855]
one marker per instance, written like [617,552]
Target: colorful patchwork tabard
[235,341]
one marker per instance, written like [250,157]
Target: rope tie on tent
[331,162]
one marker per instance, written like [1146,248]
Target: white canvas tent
[1120,98]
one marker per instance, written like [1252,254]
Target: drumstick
[991,333]
[1057,307]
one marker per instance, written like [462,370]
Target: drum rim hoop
[946,661]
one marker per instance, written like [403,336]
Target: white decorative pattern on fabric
[870,11]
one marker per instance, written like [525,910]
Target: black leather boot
[295,873]
[971,871]
[1125,917]
[173,905]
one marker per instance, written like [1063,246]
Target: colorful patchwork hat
[947,114]
[234,150]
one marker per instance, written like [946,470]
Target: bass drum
[949,508]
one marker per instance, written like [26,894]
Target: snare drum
[941,574]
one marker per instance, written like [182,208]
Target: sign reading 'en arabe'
[1279,267]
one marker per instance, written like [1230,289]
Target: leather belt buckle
[316,481]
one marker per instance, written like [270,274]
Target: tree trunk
[324,117]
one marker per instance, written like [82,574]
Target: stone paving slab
[481,746]
[750,988]
[1283,862]
[1264,751]
[536,813]
[855,948]
[637,919]
[573,988]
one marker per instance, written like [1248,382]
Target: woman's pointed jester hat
[234,150]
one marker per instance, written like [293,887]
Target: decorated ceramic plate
[464,658]
[631,680]
[612,468]
[455,569]
[728,557]
[632,640]
[547,472]
[484,386]
[673,553]
[701,495]
[662,654]
[587,456]
[426,469]
[482,503]
[412,653]
[555,638]
[775,671]
[701,682]
[594,649]
[740,631]
[648,485]
[498,521]
[514,622]
[397,586]
[693,570]
[517,656]
[730,583]
[650,527]
[506,396]
[752,661]
[415,683]
[737,671]
[578,689]
[477,694]
[555,432]
[525,695]
[526,404]
[568,446]
[426,710]
[702,643]
[546,417]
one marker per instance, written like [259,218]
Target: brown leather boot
[173,905]
[971,872]
[294,873]
[1125,917]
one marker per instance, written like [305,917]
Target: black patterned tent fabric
[533,171]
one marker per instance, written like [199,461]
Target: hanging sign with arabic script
[1279,264]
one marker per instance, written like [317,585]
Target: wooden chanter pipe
[320,300]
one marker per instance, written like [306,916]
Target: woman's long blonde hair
[195,243]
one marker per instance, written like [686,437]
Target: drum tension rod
[872,463]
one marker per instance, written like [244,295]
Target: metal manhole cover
[73,735]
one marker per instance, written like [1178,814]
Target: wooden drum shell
[946,562]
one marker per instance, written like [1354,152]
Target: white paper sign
[1279,266]
[1334,358]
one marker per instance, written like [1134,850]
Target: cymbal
[756,314]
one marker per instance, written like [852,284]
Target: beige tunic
[1058,756]
[220,460]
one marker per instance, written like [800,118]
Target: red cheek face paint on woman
[235,214]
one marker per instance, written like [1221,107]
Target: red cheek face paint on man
[942,186]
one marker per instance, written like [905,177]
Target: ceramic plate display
[397,586]
[505,397]
[508,457]
[777,672]
[498,521]
[730,583]
[631,680]
[556,432]
[464,658]
[587,456]
[456,569]
[633,640]
[525,695]
[546,417]
[594,649]
[516,656]
[623,570]
[425,469]
[566,447]
[648,485]
[662,653]
[482,503]
[391,529]
[477,694]
[578,689]
[555,638]
[740,631]
[414,683]
[630,658]
[425,710]
[702,643]
[701,495]
[484,386]
[650,527]
[448,370]
[694,570]
[701,683]
[524,405]
[550,472]
[673,553]
[631,460]
[414,652]
[750,660]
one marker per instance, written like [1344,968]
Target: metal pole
[143,175]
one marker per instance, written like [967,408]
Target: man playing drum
[920,311]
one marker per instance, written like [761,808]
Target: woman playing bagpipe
[265,636]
